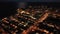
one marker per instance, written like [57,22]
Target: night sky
[30,0]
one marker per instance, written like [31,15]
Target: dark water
[7,8]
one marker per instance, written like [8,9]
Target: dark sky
[30,0]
